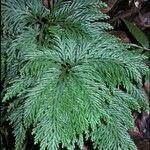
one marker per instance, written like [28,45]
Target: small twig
[144,48]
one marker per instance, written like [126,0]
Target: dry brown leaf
[110,4]
[122,35]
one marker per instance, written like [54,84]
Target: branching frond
[73,82]
[16,119]
[68,77]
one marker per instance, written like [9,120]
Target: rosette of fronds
[70,83]
[27,22]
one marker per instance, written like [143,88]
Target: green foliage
[71,78]
[138,34]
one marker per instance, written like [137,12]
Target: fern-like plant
[67,78]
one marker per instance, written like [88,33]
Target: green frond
[16,119]
[77,78]
[18,87]
[67,78]
[112,136]
[3,66]
[134,103]
[70,15]
[17,15]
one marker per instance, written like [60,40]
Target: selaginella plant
[67,79]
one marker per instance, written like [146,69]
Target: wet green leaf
[137,33]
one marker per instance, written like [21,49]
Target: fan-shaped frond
[73,82]
[69,78]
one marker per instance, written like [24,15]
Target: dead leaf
[110,4]
[122,35]
[45,3]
